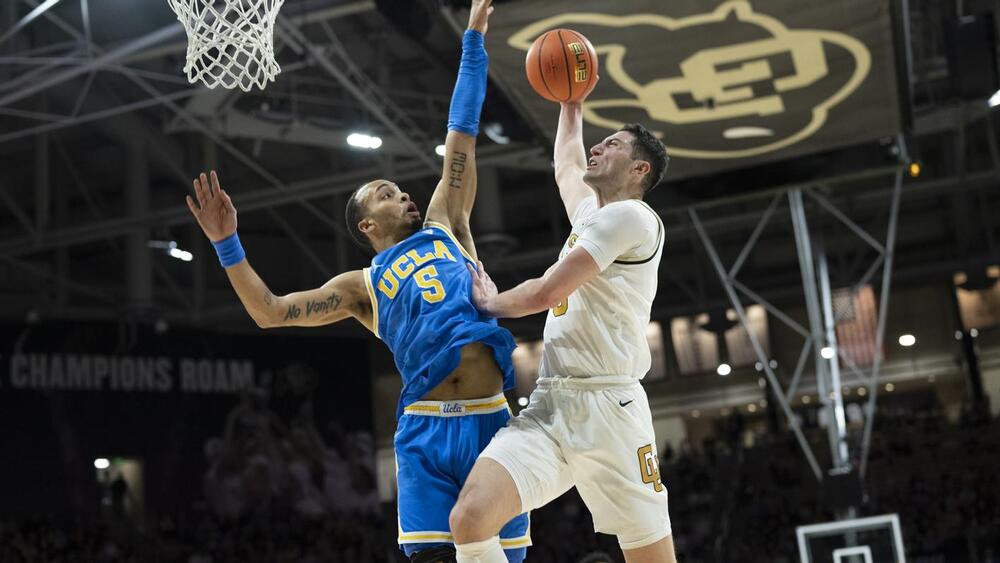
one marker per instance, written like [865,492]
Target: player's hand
[214,211]
[579,103]
[479,15]
[483,288]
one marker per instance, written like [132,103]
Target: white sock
[486,551]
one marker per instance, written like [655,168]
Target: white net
[230,42]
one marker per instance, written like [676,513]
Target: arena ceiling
[94,106]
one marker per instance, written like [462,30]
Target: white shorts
[598,438]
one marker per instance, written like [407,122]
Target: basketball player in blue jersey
[415,296]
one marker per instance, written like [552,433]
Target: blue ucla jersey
[421,293]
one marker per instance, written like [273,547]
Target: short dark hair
[647,147]
[353,215]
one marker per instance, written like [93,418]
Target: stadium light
[181,254]
[439,150]
[827,352]
[724,370]
[907,340]
[363,141]
[102,463]
[994,100]
[170,247]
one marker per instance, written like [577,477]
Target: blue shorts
[436,445]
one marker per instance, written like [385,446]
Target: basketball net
[230,42]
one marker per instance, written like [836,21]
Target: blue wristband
[470,87]
[230,250]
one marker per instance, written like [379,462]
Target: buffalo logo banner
[725,85]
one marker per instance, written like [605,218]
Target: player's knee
[468,519]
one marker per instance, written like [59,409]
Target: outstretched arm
[454,196]
[342,297]
[535,295]
[617,229]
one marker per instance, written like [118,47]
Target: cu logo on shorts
[649,468]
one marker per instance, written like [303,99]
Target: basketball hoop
[230,42]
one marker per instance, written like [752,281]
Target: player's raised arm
[342,297]
[570,157]
[451,204]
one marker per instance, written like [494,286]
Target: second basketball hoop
[230,42]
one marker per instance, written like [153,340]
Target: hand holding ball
[562,66]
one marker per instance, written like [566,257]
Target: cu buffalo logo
[732,83]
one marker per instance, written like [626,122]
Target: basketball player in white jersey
[588,422]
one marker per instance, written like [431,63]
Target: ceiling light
[994,100]
[827,352]
[523,401]
[439,150]
[907,340]
[181,254]
[724,370]
[102,463]
[889,387]
[363,141]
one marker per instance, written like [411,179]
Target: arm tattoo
[456,170]
[328,305]
[293,312]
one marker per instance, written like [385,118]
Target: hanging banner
[726,85]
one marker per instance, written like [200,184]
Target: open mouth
[591,163]
[412,209]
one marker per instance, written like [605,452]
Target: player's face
[391,209]
[610,161]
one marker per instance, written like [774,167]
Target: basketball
[561,65]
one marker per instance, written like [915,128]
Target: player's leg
[661,551]
[488,500]
[617,474]
[425,490]
[521,469]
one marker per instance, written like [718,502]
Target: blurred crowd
[280,492]
[262,461]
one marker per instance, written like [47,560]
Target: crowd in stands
[263,460]
[281,496]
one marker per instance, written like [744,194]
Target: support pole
[829,393]
[890,253]
[838,422]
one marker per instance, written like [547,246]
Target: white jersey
[600,329]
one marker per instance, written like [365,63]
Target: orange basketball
[561,65]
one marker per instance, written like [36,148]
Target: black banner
[726,84]
[188,406]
